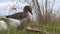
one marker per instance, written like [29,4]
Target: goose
[20,20]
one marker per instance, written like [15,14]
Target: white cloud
[4,4]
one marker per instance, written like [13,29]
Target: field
[52,28]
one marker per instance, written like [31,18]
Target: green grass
[51,27]
[12,30]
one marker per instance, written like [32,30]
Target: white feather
[14,22]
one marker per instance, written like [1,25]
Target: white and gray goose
[21,19]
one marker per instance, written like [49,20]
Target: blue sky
[4,4]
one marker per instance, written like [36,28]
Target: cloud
[4,4]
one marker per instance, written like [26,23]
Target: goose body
[20,22]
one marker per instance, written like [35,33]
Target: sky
[4,4]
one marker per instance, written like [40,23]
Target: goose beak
[31,14]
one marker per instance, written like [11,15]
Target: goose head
[27,9]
